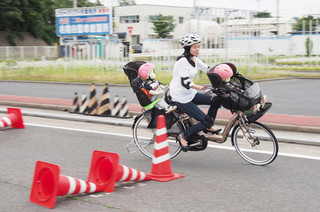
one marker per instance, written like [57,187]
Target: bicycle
[253,141]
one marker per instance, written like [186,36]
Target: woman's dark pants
[195,112]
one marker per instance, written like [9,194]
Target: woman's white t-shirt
[182,69]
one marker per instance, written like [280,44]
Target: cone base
[17,115]
[165,178]
[103,169]
[45,184]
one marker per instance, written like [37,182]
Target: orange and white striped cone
[13,119]
[105,170]
[48,183]
[161,163]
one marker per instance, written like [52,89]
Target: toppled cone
[48,183]
[161,163]
[13,119]
[105,170]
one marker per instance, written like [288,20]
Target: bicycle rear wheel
[144,137]
[255,143]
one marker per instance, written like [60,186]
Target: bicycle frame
[222,138]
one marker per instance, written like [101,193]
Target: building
[260,27]
[132,23]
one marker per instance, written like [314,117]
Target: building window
[180,20]
[129,19]
[155,17]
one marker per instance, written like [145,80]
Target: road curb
[123,122]
[133,111]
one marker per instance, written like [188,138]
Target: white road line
[78,130]
[130,136]
[279,153]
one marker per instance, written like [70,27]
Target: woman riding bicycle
[184,91]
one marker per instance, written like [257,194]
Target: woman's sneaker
[170,108]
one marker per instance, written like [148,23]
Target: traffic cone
[105,170]
[13,119]
[161,163]
[48,183]
[75,107]
[104,109]
[93,102]
[84,104]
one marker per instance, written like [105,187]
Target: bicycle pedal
[131,147]
[195,144]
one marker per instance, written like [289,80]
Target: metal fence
[244,49]
[28,52]
[115,56]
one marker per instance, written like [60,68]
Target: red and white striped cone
[161,163]
[106,171]
[13,119]
[125,174]
[48,183]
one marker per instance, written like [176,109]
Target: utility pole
[277,18]
[258,3]
[227,13]
[196,15]
[74,6]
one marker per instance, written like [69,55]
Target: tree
[34,16]
[126,2]
[262,15]
[303,24]
[163,25]
[80,3]
[309,46]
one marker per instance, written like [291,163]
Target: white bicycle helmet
[189,40]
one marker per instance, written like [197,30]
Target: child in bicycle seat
[156,89]
[226,72]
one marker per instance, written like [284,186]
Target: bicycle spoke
[255,143]
[144,137]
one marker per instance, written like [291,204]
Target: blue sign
[83,21]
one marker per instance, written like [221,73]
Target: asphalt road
[216,179]
[292,97]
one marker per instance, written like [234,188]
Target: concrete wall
[29,40]
[294,44]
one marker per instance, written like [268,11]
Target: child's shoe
[256,108]
[170,108]
[263,101]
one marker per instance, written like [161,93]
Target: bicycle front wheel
[144,137]
[255,143]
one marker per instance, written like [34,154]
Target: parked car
[136,48]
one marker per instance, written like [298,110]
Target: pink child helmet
[144,70]
[224,70]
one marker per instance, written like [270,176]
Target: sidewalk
[274,121]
